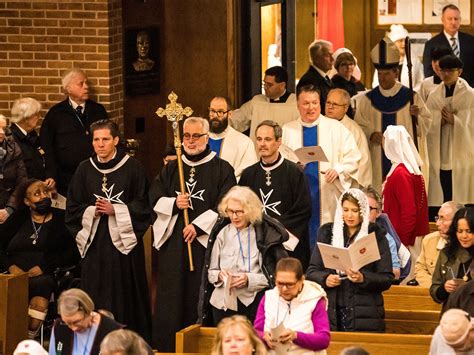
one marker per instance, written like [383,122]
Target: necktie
[455,47]
[80,114]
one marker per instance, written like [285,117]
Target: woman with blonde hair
[236,335]
[80,330]
[243,249]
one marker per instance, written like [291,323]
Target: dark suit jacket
[66,141]
[466,43]
[312,77]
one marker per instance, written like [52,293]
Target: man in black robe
[64,132]
[282,187]
[207,179]
[107,212]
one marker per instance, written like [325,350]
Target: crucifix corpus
[174,113]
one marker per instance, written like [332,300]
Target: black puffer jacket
[364,301]
[270,235]
[13,173]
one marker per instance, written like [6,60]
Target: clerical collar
[113,164]
[311,124]
[201,158]
[218,135]
[75,104]
[450,90]
[273,165]
[392,91]
[282,98]
[105,162]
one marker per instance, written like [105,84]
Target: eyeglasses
[442,219]
[448,71]
[218,113]
[194,136]
[288,285]
[333,104]
[268,84]
[74,323]
[373,208]
[231,213]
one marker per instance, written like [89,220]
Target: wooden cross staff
[174,113]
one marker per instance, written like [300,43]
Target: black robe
[287,199]
[178,288]
[115,281]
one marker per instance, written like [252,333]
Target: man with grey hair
[207,179]
[64,133]
[321,62]
[433,243]
[282,188]
[337,104]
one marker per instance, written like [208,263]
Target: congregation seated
[243,249]
[38,244]
[454,261]
[80,330]
[299,305]
[124,342]
[433,243]
[355,296]
[235,334]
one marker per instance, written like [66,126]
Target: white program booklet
[280,348]
[360,253]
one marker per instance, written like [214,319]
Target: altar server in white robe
[278,104]
[329,179]
[389,104]
[451,137]
[337,104]
[234,147]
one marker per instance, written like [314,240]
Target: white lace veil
[338,226]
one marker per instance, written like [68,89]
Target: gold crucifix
[174,113]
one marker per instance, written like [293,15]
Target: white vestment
[341,151]
[259,109]
[427,87]
[365,166]
[370,120]
[237,149]
[462,143]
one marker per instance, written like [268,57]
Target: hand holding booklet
[360,253]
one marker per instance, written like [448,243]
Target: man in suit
[461,43]
[64,133]
[320,54]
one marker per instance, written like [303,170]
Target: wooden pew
[197,339]
[410,310]
[13,311]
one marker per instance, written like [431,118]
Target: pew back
[197,339]
[13,311]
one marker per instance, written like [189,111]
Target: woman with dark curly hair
[453,267]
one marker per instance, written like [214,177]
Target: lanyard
[241,249]
[76,342]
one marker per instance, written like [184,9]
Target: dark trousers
[249,311]
[446,178]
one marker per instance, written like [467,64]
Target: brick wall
[41,39]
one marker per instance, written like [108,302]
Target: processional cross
[174,113]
